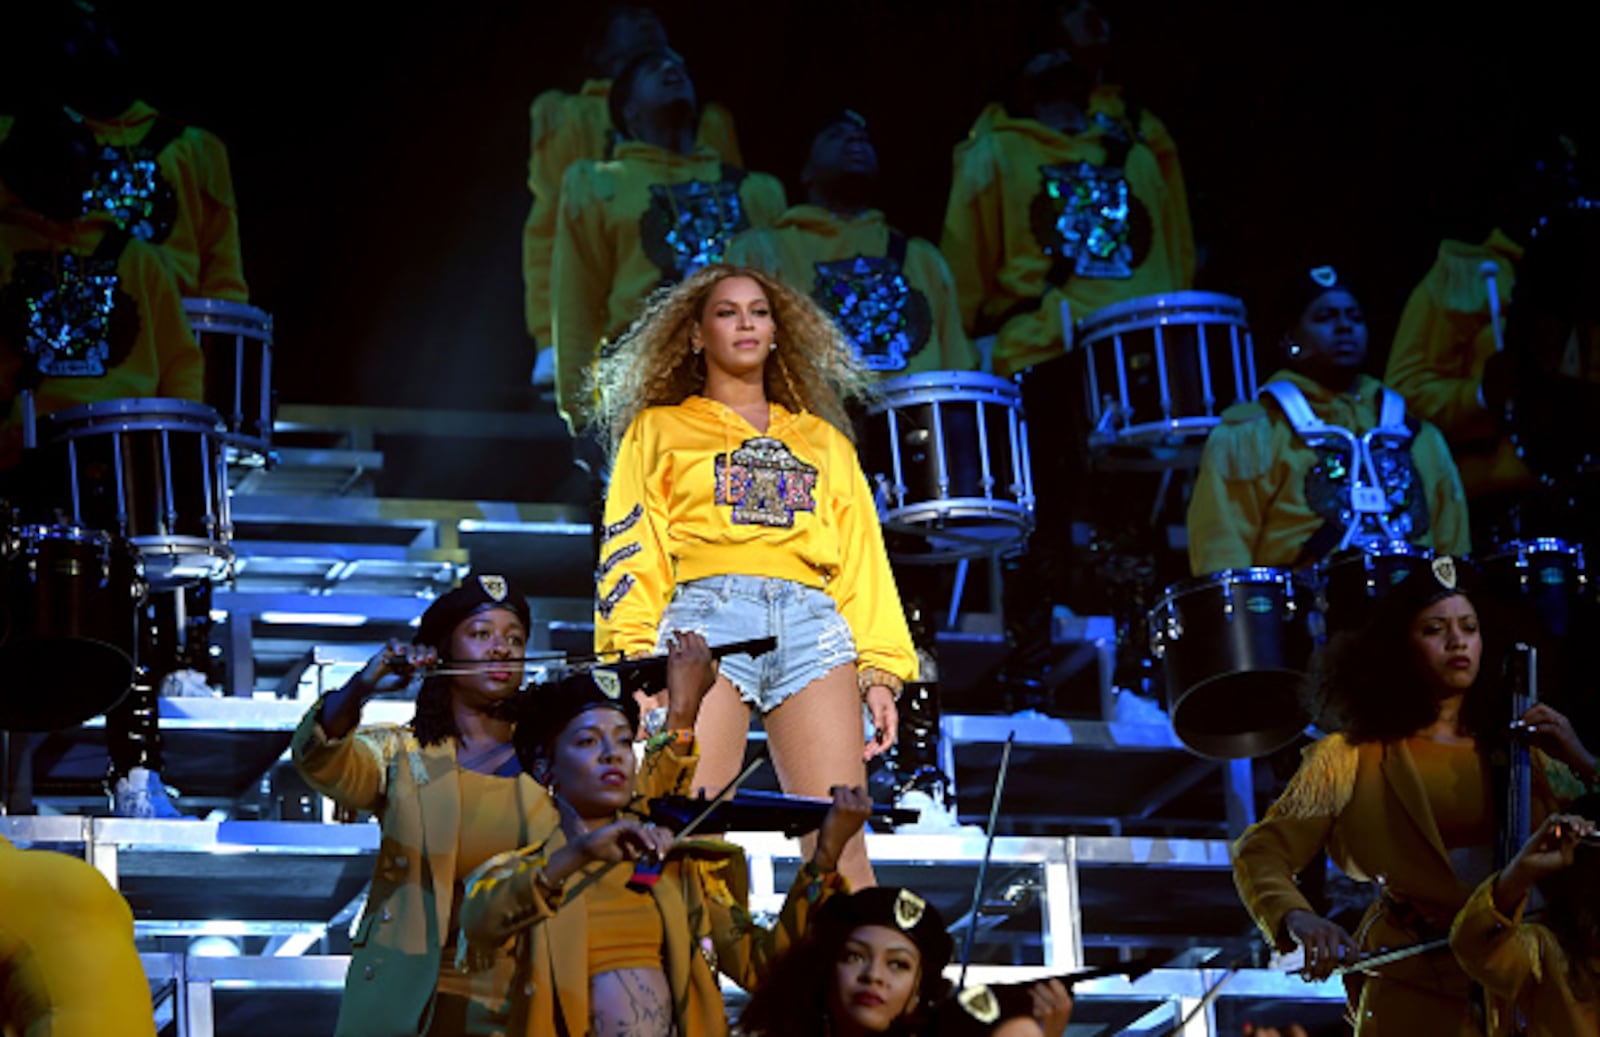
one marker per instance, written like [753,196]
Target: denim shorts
[813,637]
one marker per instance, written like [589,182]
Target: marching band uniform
[1403,815]
[1444,339]
[696,924]
[1037,217]
[893,296]
[645,218]
[1265,496]
[169,184]
[1523,965]
[425,804]
[564,129]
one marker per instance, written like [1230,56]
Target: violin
[647,673]
[974,1010]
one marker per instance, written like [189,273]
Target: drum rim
[1176,303]
[936,379]
[1268,574]
[65,531]
[1534,545]
[133,408]
[205,304]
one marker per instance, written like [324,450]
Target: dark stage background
[380,153]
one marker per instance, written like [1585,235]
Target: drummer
[892,295]
[1112,230]
[1295,475]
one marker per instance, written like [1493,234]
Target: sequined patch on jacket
[688,225]
[765,483]
[126,184]
[68,314]
[1087,219]
[888,320]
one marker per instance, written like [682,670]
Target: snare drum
[151,471]
[1544,578]
[1350,582]
[1234,649]
[67,625]
[1160,370]
[947,452]
[236,339]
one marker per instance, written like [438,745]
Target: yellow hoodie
[131,338]
[903,318]
[566,128]
[697,492]
[1443,341]
[1037,217]
[68,965]
[199,238]
[1262,492]
[649,217]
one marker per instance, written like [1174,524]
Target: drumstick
[1490,270]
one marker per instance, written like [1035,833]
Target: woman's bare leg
[816,740]
[722,730]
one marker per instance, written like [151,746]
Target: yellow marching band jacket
[416,795]
[1366,805]
[1445,337]
[645,218]
[893,296]
[1037,217]
[1265,491]
[703,898]
[565,129]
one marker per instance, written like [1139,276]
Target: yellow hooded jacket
[145,348]
[1253,497]
[1441,345]
[646,218]
[697,492]
[68,965]
[832,257]
[1037,217]
[199,239]
[566,128]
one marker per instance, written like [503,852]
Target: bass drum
[67,626]
[1234,649]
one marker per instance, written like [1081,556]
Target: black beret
[546,710]
[476,593]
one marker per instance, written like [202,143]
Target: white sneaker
[187,684]
[141,794]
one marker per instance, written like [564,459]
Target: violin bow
[1372,962]
[721,797]
[983,866]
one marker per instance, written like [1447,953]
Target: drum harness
[1367,497]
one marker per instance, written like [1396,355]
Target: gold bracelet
[872,677]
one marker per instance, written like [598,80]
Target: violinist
[1546,972]
[873,962]
[596,950]
[1403,796]
[449,794]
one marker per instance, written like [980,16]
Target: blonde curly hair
[814,368]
